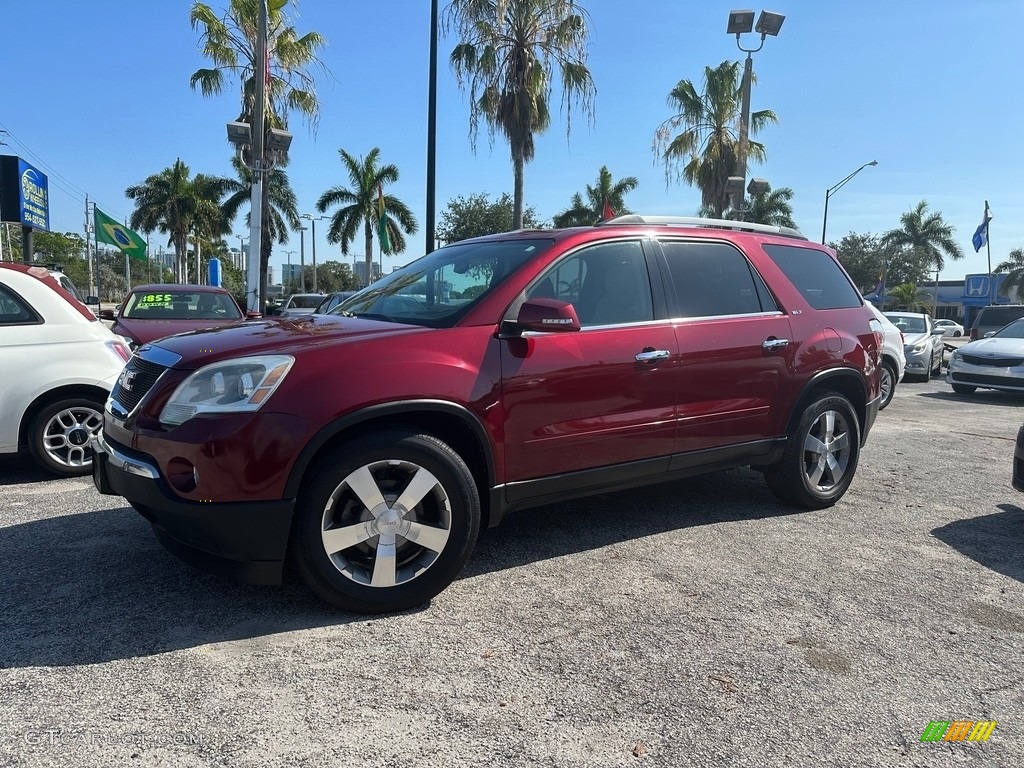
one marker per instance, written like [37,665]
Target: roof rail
[693,221]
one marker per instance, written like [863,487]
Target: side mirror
[547,315]
[107,314]
[937,331]
[252,314]
[990,333]
[92,301]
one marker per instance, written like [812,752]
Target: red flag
[607,212]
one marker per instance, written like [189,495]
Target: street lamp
[302,259]
[313,220]
[741,22]
[835,188]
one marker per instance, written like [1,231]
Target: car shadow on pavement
[94,587]
[20,469]
[986,396]
[97,586]
[597,521]
[995,541]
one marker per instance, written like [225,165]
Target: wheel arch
[452,423]
[844,381]
[65,392]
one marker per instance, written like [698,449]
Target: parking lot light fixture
[835,188]
[768,23]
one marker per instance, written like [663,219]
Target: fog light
[182,475]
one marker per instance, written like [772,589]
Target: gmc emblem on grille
[125,380]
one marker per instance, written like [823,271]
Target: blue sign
[215,272]
[34,197]
[982,289]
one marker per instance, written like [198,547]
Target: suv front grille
[137,378]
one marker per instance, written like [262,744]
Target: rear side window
[999,316]
[13,309]
[816,275]
[714,279]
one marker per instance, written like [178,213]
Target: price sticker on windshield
[156,299]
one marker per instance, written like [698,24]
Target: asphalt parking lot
[698,623]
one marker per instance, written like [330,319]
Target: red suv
[372,443]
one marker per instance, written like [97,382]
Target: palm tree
[282,210]
[909,297]
[507,55]
[707,147]
[230,43]
[1014,269]
[360,206]
[177,205]
[926,236]
[772,208]
[580,214]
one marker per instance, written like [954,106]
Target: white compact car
[894,361]
[59,363]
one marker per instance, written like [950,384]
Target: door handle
[652,355]
[770,345]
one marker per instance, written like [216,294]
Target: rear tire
[386,523]
[963,389]
[887,386]
[821,455]
[60,435]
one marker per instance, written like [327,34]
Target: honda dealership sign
[24,195]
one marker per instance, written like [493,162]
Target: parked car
[494,374]
[59,365]
[922,343]
[994,317]
[894,362]
[331,300]
[150,312]
[299,305]
[994,362]
[950,328]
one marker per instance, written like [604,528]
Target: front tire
[821,455]
[887,385]
[387,522]
[60,435]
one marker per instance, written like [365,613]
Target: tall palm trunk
[368,232]
[517,189]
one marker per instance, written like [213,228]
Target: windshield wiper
[375,316]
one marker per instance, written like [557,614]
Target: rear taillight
[120,349]
[974,334]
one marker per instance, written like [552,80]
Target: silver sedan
[995,362]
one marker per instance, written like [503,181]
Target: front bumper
[918,363]
[1018,461]
[240,540]
[987,376]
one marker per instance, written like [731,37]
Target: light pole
[312,221]
[835,188]
[241,253]
[302,259]
[741,22]
[289,255]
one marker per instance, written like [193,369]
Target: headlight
[918,348]
[956,355]
[231,386]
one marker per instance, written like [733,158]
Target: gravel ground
[697,623]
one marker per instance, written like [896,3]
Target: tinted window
[999,316]
[711,279]
[816,275]
[608,284]
[13,310]
[1015,330]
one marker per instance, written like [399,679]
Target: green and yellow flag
[109,231]
[382,222]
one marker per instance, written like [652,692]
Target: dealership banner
[24,194]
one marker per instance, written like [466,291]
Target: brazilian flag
[109,231]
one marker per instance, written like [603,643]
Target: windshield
[1014,330]
[908,323]
[304,301]
[439,288]
[178,305]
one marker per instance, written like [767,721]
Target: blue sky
[97,96]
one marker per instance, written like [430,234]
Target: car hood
[994,347]
[145,331]
[276,335]
[912,339]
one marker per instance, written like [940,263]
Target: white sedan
[60,363]
[949,328]
[994,362]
